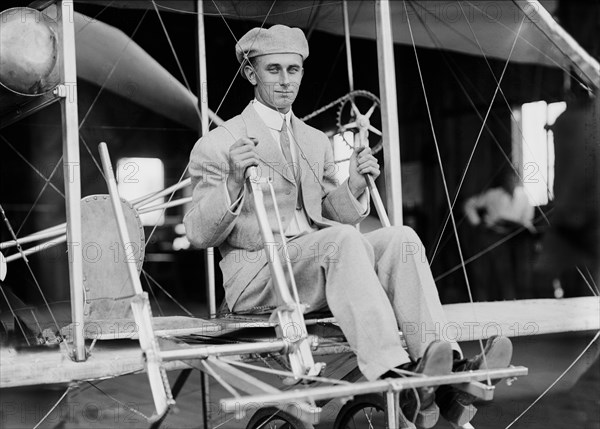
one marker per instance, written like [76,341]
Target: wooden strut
[361,388]
[56,234]
[159,384]
[289,315]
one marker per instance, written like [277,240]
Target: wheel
[274,418]
[363,412]
[361,111]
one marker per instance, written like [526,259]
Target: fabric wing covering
[458,26]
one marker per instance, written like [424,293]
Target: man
[503,207]
[372,283]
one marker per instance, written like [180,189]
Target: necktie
[284,140]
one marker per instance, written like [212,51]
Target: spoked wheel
[361,111]
[273,418]
[363,412]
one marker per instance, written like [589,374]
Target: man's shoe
[437,360]
[457,406]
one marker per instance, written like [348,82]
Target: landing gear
[365,411]
[273,418]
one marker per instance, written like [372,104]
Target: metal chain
[335,102]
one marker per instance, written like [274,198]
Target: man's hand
[241,156]
[361,162]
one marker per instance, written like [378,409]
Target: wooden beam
[67,91]
[587,67]
[389,110]
[253,386]
[348,45]
[209,255]
[360,388]
[469,322]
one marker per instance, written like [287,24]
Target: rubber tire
[265,414]
[358,403]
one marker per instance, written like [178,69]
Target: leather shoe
[457,406]
[437,360]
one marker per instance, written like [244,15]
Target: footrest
[477,389]
[428,417]
[460,415]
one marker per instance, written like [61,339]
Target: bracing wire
[53,407]
[14,315]
[438,44]
[543,215]
[479,134]
[35,280]
[112,70]
[33,167]
[555,381]
[496,20]
[440,163]
[121,403]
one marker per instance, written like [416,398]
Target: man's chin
[284,105]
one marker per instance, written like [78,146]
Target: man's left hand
[362,162]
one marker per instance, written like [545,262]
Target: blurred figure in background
[503,210]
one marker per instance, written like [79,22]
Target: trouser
[373,284]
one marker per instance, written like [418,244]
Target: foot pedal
[428,417]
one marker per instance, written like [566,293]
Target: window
[137,177]
[533,148]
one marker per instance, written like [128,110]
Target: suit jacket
[211,223]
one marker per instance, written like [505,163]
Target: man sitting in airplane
[373,284]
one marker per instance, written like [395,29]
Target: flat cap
[279,39]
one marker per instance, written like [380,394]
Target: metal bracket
[60,91]
[478,389]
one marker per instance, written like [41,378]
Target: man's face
[276,79]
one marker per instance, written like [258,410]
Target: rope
[221,14]
[284,373]
[452,204]
[437,149]
[497,21]
[148,276]
[53,407]
[14,315]
[471,102]
[187,84]
[555,381]
[592,289]
[112,70]
[20,249]
[38,172]
[595,290]
[160,311]
[123,404]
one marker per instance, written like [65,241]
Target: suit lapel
[307,156]
[267,149]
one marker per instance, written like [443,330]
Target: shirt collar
[272,118]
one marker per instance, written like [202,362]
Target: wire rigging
[440,163]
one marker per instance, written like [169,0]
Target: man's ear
[250,74]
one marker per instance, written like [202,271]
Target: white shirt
[499,205]
[274,121]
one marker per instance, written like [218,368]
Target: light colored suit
[210,223]
[373,283]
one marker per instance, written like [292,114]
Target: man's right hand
[241,156]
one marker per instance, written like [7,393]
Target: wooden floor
[573,403]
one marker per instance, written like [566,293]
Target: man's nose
[284,79]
